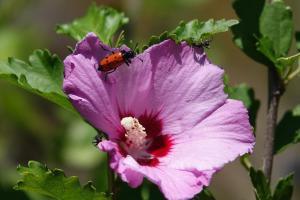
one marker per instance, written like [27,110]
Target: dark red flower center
[142,138]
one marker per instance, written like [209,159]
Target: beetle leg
[106,73]
[140,59]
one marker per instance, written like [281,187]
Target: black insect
[97,139]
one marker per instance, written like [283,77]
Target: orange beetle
[111,62]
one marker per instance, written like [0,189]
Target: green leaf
[286,66]
[245,33]
[261,185]
[297,36]
[246,94]
[276,24]
[194,32]
[42,75]
[288,61]
[265,46]
[288,130]
[39,179]
[284,189]
[103,21]
[205,195]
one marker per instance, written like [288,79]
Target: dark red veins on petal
[160,144]
[152,124]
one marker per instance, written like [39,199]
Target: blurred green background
[32,128]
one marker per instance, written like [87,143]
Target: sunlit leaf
[42,75]
[39,179]
[284,189]
[103,21]
[194,32]
[288,130]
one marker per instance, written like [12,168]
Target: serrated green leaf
[42,75]
[245,33]
[276,24]
[297,36]
[39,179]
[246,94]
[284,189]
[194,32]
[288,130]
[103,21]
[260,184]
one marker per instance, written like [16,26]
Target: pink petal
[220,138]
[174,184]
[132,177]
[130,86]
[187,88]
[112,149]
[176,81]
[89,95]
[129,175]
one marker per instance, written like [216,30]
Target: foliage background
[31,128]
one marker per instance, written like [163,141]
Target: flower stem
[276,89]
[110,181]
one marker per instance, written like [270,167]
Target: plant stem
[276,89]
[110,180]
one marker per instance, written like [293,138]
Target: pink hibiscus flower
[167,117]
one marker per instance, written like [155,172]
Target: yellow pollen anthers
[135,132]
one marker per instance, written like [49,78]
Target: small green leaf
[205,195]
[246,94]
[194,32]
[276,24]
[288,61]
[245,33]
[103,21]
[261,185]
[288,130]
[42,75]
[39,179]
[297,36]
[286,66]
[284,189]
